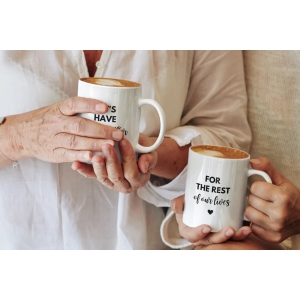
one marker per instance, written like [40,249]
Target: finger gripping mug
[216,186]
[124,100]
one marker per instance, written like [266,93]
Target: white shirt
[49,206]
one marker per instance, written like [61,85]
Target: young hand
[202,236]
[274,209]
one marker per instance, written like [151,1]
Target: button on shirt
[49,206]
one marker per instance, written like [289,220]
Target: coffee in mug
[223,152]
[216,186]
[124,100]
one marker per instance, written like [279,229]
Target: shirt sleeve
[214,112]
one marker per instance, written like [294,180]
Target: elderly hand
[202,236]
[55,134]
[126,177]
[274,209]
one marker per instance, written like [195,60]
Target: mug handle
[141,149]
[262,174]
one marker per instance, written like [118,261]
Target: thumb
[263,164]
[177,204]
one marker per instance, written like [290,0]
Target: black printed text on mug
[213,189]
[105,117]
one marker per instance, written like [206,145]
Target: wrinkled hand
[202,236]
[55,134]
[126,177]
[274,209]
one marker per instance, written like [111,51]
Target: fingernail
[206,230]
[147,166]
[109,142]
[255,161]
[101,107]
[172,206]
[98,165]
[117,135]
[106,150]
[87,156]
[229,232]
[247,231]
[122,143]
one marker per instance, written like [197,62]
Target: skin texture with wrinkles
[131,175]
[55,134]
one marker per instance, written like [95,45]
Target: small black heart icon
[210,211]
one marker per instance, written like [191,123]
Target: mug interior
[110,82]
[220,152]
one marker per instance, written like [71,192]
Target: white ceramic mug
[216,186]
[124,100]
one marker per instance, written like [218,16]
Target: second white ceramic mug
[124,100]
[216,186]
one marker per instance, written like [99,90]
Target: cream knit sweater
[273,86]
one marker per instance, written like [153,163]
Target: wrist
[9,148]
[4,160]
[172,159]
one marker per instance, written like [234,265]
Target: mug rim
[92,80]
[219,146]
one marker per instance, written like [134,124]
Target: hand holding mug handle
[141,149]
[262,174]
[273,210]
